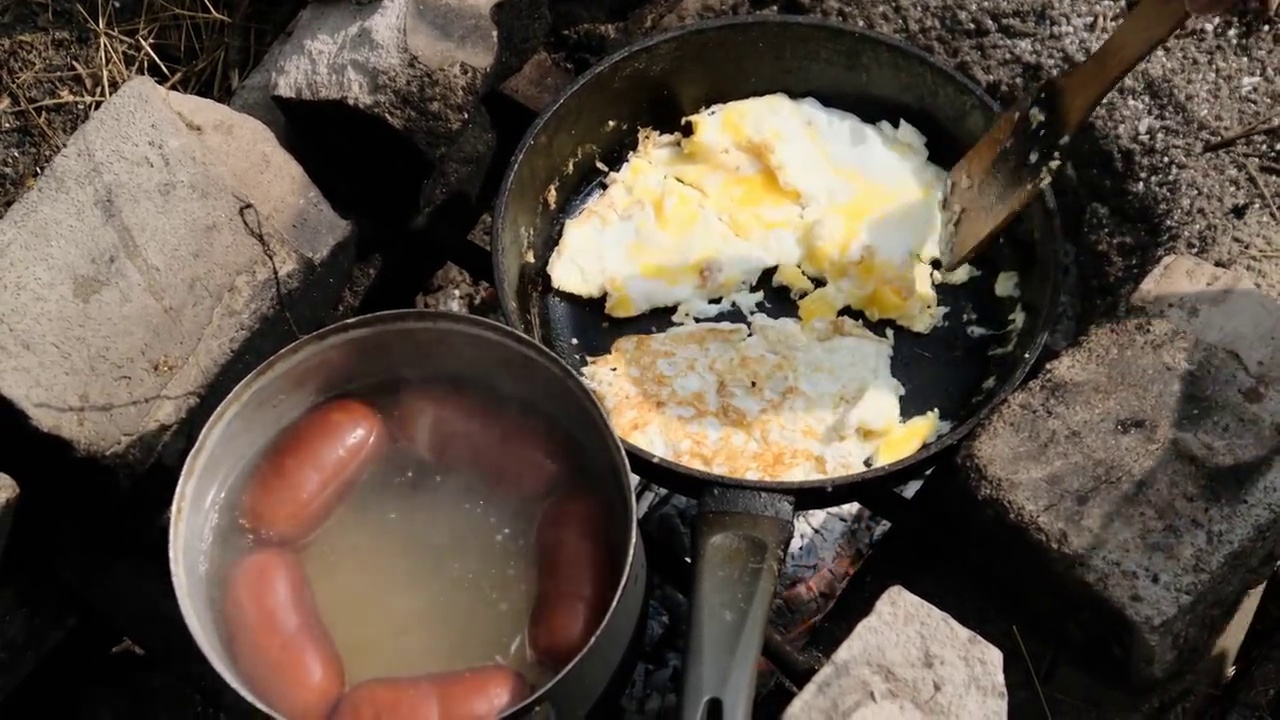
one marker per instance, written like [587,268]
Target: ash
[453,290]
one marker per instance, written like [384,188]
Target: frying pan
[743,525]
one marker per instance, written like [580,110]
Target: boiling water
[418,573]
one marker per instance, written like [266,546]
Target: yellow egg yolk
[904,440]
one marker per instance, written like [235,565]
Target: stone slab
[169,248]
[1142,463]
[907,659]
[1222,307]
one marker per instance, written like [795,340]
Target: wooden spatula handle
[1147,27]
[1005,170]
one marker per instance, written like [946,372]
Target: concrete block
[8,504]
[1143,464]
[907,659]
[1219,306]
[420,65]
[169,248]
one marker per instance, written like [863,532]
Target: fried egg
[776,400]
[848,212]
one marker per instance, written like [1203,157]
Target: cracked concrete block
[1144,463]
[167,250]
[8,503]
[420,65]
[907,659]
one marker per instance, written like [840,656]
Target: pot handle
[739,537]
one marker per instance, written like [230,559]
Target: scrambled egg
[779,400]
[849,213]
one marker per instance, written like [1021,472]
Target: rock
[143,275]
[253,95]
[907,659]
[1142,464]
[8,503]
[420,65]
[539,82]
[452,289]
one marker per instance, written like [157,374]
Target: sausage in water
[481,693]
[461,433]
[575,580]
[309,468]
[278,641]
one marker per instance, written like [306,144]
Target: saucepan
[410,514]
[743,524]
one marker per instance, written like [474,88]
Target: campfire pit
[1140,186]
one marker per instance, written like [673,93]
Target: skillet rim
[917,461]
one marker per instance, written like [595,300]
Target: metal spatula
[1002,174]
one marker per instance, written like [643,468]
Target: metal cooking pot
[397,346]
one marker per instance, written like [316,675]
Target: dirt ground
[59,59]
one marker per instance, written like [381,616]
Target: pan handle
[739,537]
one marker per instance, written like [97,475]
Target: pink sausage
[575,580]
[460,433]
[278,641]
[309,468]
[481,693]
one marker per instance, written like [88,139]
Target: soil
[40,46]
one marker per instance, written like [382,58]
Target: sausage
[479,693]
[309,468]
[575,579]
[278,641]
[459,432]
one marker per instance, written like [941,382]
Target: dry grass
[203,47]
[60,59]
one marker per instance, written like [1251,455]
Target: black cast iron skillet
[743,525]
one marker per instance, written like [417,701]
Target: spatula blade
[1002,174]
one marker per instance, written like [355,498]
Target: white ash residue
[452,289]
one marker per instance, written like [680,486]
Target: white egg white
[842,207]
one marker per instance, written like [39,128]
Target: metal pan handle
[739,537]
